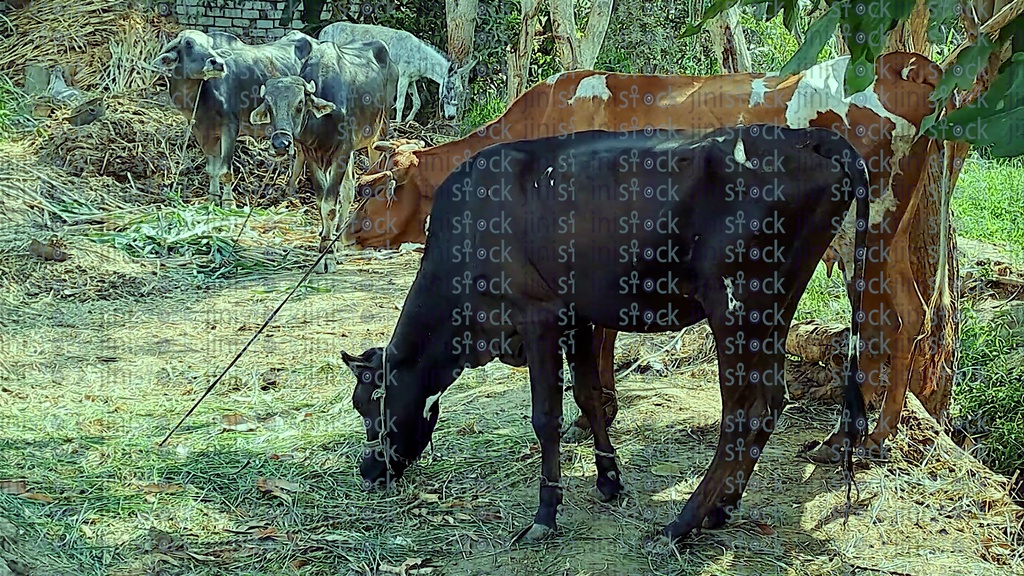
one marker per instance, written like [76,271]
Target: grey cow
[337,104]
[414,58]
[225,75]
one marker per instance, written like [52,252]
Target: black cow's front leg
[544,357]
[588,393]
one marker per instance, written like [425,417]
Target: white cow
[415,59]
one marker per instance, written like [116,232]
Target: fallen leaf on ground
[427,497]
[277,487]
[403,570]
[236,423]
[13,487]
[765,529]
[666,470]
[163,488]
[36,496]
[299,563]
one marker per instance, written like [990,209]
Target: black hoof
[716,518]
[533,534]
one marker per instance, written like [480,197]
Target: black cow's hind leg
[545,358]
[749,412]
[587,391]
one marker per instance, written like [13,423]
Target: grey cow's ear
[303,47]
[321,107]
[259,115]
[166,60]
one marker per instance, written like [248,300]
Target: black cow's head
[399,405]
[286,103]
[192,56]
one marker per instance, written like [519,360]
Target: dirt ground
[262,478]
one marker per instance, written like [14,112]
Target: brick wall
[254,21]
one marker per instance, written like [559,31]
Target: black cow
[226,74]
[338,103]
[532,243]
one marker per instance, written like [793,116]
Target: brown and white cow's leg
[544,357]
[909,307]
[604,350]
[587,392]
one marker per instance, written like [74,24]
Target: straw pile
[85,34]
[143,144]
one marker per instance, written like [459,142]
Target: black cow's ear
[363,361]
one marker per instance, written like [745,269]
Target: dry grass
[85,33]
[91,387]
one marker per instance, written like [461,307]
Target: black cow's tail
[854,415]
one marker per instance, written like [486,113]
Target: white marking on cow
[595,86]
[431,400]
[821,90]
[734,304]
[426,225]
[854,343]
[551,181]
[741,154]
[757,90]
[906,69]
[554,78]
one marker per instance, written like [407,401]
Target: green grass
[988,401]
[988,203]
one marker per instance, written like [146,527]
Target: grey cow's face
[191,56]
[454,89]
[286,103]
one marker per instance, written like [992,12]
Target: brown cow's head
[391,173]
[192,56]
[287,101]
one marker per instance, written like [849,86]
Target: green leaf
[960,75]
[940,12]
[716,8]
[859,75]
[818,35]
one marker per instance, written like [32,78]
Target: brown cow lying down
[881,122]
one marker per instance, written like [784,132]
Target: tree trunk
[461,16]
[518,58]
[575,53]
[593,36]
[729,42]
[563,31]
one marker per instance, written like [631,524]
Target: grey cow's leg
[228,138]
[544,358]
[327,198]
[299,163]
[415,101]
[346,195]
[403,88]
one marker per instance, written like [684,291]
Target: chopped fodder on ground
[262,478]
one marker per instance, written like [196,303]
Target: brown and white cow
[881,122]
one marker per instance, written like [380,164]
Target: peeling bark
[729,42]
[518,57]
